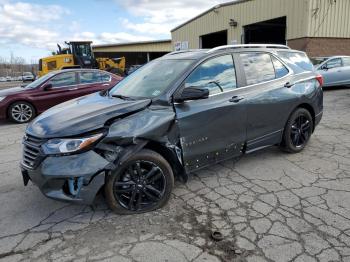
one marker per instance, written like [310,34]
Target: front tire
[21,112]
[142,184]
[297,131]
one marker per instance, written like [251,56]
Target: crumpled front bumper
[56,176]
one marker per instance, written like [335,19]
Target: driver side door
[212,129]
[331,72]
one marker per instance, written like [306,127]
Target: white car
[335,70]
[28,76]
[2,79]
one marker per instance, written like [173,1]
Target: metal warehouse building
[319,27]
[136,53]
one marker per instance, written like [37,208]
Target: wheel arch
[170,156]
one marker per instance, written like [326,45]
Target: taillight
[319,78]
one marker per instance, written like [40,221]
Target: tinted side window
[65,79]
[258,67]
[297,58]
[346,61]
[89,77]
[280,69]
[217,74]
[105,77]
[334,63]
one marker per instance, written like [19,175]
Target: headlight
[69,145]
[2,98]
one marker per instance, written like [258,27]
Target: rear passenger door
[346,70]
[267,99]
[89,82]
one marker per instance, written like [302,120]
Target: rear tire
[21,112]
[141,184]
[297,131]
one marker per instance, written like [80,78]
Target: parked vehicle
[27,76]
[173,116]
[8,79]
[2,79]
[22,104]
[335,71]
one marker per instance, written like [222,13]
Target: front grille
[32,156]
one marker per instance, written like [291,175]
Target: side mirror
[47,87]
[192,93]
[324,67]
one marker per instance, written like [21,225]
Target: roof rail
[247,46]
[182,51]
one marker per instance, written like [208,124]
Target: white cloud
[159,16]
[22,23]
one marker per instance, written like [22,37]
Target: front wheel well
[169,155]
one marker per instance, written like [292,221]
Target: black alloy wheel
[300,131]
[142,184]
[297,131]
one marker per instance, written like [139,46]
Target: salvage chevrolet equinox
[173,116]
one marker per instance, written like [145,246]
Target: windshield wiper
[123,97]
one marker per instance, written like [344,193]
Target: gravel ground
[270,206]
[4,85]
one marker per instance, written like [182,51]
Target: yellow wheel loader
[78,54]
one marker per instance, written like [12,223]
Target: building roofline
[234,2]
[134,43]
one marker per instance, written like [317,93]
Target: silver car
[335,70]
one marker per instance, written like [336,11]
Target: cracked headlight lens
[2,98]
[69,145]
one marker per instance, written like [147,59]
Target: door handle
[71,89]
[288,84]
[236,99]
[105,85]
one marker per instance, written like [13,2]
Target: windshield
[83,50]
[39,81]
[151,80]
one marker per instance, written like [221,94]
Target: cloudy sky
[31,28]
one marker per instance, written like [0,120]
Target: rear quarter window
[299,59]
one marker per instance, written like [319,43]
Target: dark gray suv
[175,115]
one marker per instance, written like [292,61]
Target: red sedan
[22,104]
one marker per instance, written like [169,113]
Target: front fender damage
[153,128]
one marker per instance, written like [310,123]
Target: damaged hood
[82,115]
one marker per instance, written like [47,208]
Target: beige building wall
[152,46]
[305,18]
[329,18]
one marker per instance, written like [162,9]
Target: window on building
[258,67]
[217,74]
